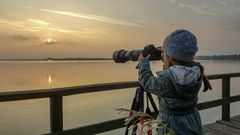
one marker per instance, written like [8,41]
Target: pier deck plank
[221,127]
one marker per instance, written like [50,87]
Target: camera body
[122,56]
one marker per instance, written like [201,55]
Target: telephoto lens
[122,56]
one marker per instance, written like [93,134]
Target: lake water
[31,117]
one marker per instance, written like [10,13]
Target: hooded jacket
[177,90]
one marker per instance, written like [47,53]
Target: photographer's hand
[141,57]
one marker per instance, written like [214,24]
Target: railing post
[226,94]
[56,114]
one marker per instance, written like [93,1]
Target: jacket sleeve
[148,81]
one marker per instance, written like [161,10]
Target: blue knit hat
[181,45]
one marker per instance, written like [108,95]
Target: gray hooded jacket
[177,89]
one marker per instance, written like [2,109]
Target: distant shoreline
[219,57]
[59,59]
[213,57]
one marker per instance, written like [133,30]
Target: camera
[122,56]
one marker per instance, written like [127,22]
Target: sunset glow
[50,41]
[49,79]
[44,23]
[75,27]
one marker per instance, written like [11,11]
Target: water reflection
[49,78]
[81,109]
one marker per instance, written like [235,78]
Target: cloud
[213,7]
[38,27]
[55,29]
[23,38]
[229,7]
[94,18]
[231,23]
[41,22]
[17,25]
[230,11]
[229,4]
[32,25]
[198,6]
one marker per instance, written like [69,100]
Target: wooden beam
[94,128]
[226,95]
[56,114]
[65,91]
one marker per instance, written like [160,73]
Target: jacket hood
[186,80]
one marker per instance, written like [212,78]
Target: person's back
[177,105]
[177,86]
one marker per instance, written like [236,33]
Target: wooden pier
[223,127]
[226,126]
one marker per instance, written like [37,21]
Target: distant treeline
[58,59]
[213,57]
[78,58]
[219,57]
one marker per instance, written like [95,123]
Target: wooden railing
[56,103]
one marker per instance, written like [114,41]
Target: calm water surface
[31,117]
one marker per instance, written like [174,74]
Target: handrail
[56,97]
[66,91]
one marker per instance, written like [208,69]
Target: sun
[50,41]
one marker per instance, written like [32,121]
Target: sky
[96,28]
